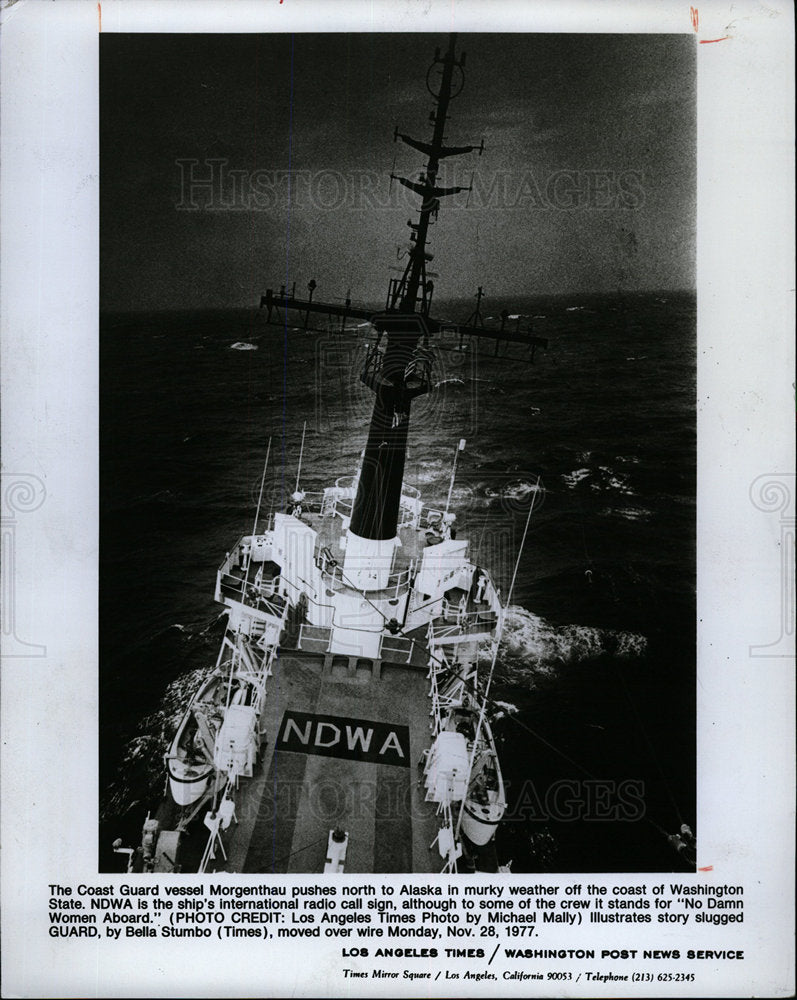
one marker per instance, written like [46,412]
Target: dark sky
[608,109]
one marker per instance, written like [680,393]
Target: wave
[430,470]
[503,708]
[514,491]
[242,345]
[160,496]
[532,648]
[141,766]
[193,630]
[609,480]
[572,479]
[604,479]
[627,513]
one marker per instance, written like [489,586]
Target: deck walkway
[285,812]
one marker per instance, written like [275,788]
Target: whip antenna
[301,453]
[460,447]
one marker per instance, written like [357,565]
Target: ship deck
[302,790]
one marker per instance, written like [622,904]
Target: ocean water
[594,686]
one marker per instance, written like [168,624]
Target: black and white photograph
[397,382]
[398,501]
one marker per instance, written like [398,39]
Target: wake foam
[532,648]
[141,766]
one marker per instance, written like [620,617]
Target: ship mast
[414,280]
[403,372]
[400,369]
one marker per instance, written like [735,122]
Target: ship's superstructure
[344,726]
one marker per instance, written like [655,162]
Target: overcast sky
[587,182]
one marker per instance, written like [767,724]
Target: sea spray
[141,765]
[532,648]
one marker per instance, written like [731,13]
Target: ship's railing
[313,503]
[333,498]
[455,612]
[341,505]
[437,665]
[295,592]
[446,684]
[250,574]
[396,649]
[310,634]
[272,604]
[231,558]
[410,508]
[397,583]
[250,552]
[490,596]
[371,374]
[229,582]
[258,631]
[467,624]
[256,673]
[339,499]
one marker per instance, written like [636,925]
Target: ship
[346,724]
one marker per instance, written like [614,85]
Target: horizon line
[109,310]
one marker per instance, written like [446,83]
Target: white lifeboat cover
[447,772]
[235,736]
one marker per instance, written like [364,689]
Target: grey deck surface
[285,812]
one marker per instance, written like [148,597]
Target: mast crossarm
[464,334]
[442,152]
[511,337]
[272,301]
[386,320]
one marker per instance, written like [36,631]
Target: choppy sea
[595,680]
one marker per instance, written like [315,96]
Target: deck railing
[339,499]
[334,577]
[314,633]
[396,649]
